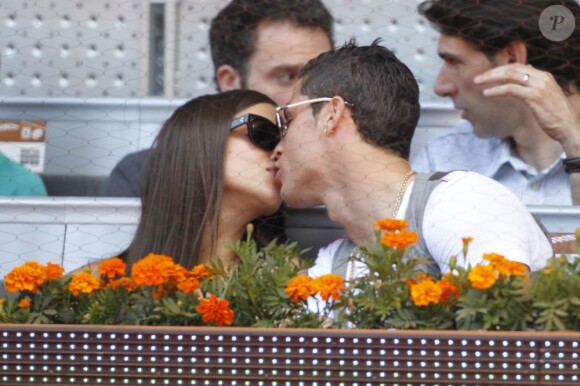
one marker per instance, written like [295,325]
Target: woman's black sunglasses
[262,132]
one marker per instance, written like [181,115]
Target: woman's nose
[277,152]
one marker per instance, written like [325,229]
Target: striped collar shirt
[460,149]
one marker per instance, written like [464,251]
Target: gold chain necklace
[398,201]
[401,193]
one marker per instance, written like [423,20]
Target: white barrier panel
[558,219]
[75,230]
[67,230]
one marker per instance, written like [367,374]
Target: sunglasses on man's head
[262,132]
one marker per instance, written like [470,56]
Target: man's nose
[444,86]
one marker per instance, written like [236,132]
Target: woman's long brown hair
[183,179]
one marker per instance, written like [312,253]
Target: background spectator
[255,46]
[518,89]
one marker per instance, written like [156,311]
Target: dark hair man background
[520,91]
[258,45]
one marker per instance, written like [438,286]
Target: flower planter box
[83,354]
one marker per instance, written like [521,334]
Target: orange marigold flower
[179,274]
[123,282]
[466,241]
[425,293]
[329,285]
[27,277]
[24,303]
[159,292]
[84,283]
[507,267]
[153,270]
[495,259]
[189,284]
[423,276]
[200,271]
[400,239]
[514,268]
[54,271]
[420,276]
[299,288]
[113,267]
[214,310]
[391,224]
[482,276]
[448,289]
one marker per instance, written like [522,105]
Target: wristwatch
[571,165]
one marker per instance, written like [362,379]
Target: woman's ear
[516,52]
[228,78]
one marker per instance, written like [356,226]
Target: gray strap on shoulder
[340,258]
[546,233]
[422,189]
[423,186]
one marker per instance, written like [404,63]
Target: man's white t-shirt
[467,204]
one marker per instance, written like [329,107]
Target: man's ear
[228,78]
[516,52]
[335,111]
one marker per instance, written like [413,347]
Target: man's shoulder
[125,178]
[467,177]
[8,164]
[459,148]
[16,179]
[460,183]
[463,135]
[14,169]
[132,162]
[135,158]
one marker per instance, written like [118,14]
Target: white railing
[75,230]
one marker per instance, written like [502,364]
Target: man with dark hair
[262,45]
[518,86]
[345,141]
[258,45]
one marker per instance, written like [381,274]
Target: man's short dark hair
[490,25]
[382,89]
[232,36]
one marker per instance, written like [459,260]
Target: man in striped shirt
[517,85]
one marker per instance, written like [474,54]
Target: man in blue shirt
[518,87]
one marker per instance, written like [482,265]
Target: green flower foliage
[254,288]
[391,293]
[267,287]
[555,292]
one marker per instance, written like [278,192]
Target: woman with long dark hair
[209,174]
